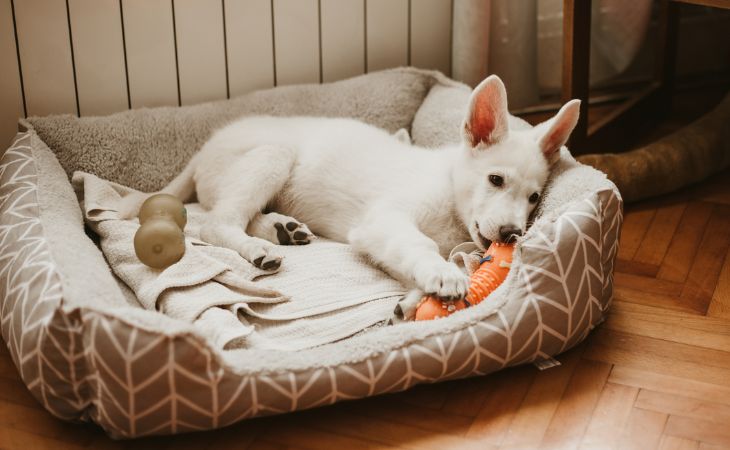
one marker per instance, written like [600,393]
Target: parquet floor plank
[673,326]
[671,302]
[713,325]
[13,390]
[309,438]
[647,284]
[7,367]
[684,406]
[240,435]
[468,396]
[401,412]
[267,445]
[706,446]
[575,407]
[650,354]
[13,438]
[509,390]
[715,189]
[610,416]
[678,351]
[705,270]
[644,430]
[660,233]
[676,443]
[635,227]
[681,252]
[698,430]
[391,433]
[38,421]
[430,396]
[658,381]
[636,268]
[537,409]
[720,303]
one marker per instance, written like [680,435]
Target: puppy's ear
[486,119]
[558,130]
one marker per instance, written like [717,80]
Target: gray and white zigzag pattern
[97,364]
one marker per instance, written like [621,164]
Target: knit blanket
[323,292]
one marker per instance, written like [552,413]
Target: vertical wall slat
[45,53]
[296,37]
[387,33]
[343,39]
[431,34]
[99,55]
[11,96]
[250,45]
[150,48]
[200,50]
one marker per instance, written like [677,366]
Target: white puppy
[355,183]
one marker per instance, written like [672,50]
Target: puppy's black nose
[508,233]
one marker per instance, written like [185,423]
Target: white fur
[355,183]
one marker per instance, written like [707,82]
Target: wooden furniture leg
[650,103]
[576,62]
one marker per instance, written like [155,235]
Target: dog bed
[87,350]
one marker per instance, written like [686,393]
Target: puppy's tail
[182,187]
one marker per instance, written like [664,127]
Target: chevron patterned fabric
[109,366]
[89,352]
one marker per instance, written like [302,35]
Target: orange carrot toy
[492,271]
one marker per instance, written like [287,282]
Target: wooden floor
[656,374]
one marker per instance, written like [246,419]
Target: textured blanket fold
[322,293]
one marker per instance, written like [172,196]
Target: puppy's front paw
[442,280]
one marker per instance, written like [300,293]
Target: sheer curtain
[521,41]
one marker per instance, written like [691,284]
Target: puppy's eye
[496,180]
[534,197]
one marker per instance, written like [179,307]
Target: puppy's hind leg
[247,185]
[182,187]
[280,229]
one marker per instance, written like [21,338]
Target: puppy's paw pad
[268,262]
[271,264]
[293,233]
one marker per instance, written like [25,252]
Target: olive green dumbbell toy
[159,241]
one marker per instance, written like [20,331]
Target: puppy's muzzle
[509,233]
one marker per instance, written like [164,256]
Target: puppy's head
[502,172]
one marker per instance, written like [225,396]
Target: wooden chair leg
[649,104]
[576,63]
[667,51]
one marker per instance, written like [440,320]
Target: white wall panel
[11,96]
[96,29]
[387,34]
[150,46]
[431,34]
[100,56]
[45,54]
[343,39]
[200,50]
[296,38]
[250,45]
